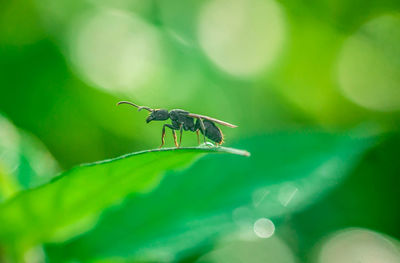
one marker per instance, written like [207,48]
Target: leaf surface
[221,195]
[69,204]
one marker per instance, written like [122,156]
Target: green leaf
[220,195]
[53,210]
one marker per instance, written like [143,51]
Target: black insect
[184,120]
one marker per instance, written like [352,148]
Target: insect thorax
[179,117]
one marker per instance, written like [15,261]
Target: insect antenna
[134,105]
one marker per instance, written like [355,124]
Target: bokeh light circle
[358,245]
[242,37]
[264,228]
[114,50]
[369,65]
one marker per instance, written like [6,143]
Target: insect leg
[198,137]
[203,129]
[175,140]
[180,136]
[163,133]
[162,136]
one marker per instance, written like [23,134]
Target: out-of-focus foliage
[365,199]
[262,250]
[279,69]
[24,161]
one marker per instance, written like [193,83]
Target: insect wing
[212,119]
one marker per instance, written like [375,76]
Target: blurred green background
[314,87]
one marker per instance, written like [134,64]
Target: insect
[184,120]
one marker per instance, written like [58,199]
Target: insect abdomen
[213,132]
